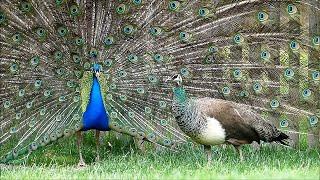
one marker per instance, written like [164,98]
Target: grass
[124,161]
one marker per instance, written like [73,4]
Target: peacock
[210,121]
[71,66]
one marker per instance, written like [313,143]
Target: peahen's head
[177,79]
[96,69]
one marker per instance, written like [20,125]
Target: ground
[122,160]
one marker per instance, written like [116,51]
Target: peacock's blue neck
[180,95]
[95,116]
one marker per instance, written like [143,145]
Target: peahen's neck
[180,101]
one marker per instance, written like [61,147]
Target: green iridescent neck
[180,95]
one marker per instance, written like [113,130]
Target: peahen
[70,66]
[210,121]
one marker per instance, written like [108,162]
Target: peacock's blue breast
[95,116]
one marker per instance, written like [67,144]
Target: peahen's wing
[264,54]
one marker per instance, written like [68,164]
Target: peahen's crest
[264,54]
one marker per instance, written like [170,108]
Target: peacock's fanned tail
[264,54]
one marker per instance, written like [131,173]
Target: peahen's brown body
[261,54]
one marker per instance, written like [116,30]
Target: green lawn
[124,161]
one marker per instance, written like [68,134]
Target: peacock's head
[96,69]
[176,79]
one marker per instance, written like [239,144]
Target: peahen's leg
[79,143]
[208,152]
[97,145]
[238,148]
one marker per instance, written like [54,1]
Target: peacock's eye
[313,120]
[238,38]
[122,73]
[294,45]
[108,41]
[292,9]
[262,16]
[257,87]
[41,32]
[128,29]
[2,17]
[316,40]
[203,12]
[35,60]
[265,55]
[137,2]
[74,10]
[121,9]
[140,90]
[226,90]
[93,53]
[184,36]
[25,7]
[133,58]
[158,57]
[237,73]
[37,83]
[316,75]
[14,68]
[58,55]
[306,93]
[212,49]
[76,58]
[22,92]
[174,5]
[7,104]
[155,31]
[289,73]
[62,31]
[16,38]
[284,123]
[79,41]
[274,103]
[152,78]
[108,62]
[47,93]
[59,2]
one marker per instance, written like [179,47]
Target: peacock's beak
[97,73]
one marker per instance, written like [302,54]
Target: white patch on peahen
[70,66]
[210,121]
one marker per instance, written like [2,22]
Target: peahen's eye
[313,120]
[62,31]
[25,7]
[238,38]
[306,93]
[128,29]
[274,103]
[294,45]
[158,57]
[74,10]
[265,55]
[203,12]
[133,58]
[284,123]
[174,5]
[292,9]
[316,40]
[121,9]
[108,41]
[17,38]
[184,36]
[137,2]
[262,16]
[289,73]
[155,31]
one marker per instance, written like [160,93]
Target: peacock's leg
[238,148]
[207,150]
[97,145]
[79,142]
